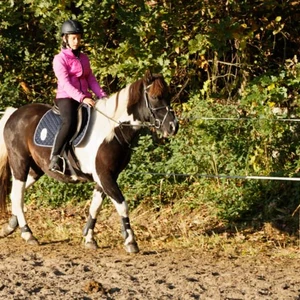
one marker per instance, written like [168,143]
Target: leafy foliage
[235,60]
[48,192]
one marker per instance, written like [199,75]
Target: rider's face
[74,41]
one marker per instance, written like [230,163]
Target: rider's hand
[89,101]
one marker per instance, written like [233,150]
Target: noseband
[154,121]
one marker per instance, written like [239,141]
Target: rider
[74,80]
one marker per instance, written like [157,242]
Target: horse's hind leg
[18,216]
[12,225]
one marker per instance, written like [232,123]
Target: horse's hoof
[32,242]
[91,245]
[6,230]
[132,248]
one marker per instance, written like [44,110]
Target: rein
[120,126]
[108,117]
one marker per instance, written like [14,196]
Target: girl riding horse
[74,79]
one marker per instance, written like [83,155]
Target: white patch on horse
[96,203]
[8,112]
[17,200]
[130,238]
[122,208]
[30,180]
[101,128]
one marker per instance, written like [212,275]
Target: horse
[103,154]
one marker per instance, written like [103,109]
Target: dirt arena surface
[61,268]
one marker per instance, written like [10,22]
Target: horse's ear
[148,77]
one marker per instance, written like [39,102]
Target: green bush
[238,60]
[49,192]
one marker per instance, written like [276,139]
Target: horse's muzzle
[171,129]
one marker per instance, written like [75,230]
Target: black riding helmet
[71,27]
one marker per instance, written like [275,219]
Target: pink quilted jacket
[75,77]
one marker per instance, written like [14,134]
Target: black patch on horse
[50,122]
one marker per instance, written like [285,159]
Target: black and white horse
[103,153]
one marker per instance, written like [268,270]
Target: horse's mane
[157,86]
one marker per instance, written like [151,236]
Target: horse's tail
[4,164]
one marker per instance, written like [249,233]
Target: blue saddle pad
[49,125]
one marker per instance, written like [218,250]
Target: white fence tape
[223,176]
[228,176]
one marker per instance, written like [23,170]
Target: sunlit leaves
[200,44]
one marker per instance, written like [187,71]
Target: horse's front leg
[88,231]
[112,190]
[130,243]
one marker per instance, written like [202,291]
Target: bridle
[154,121]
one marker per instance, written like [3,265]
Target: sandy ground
[60,268]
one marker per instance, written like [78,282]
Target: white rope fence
[222,176]
[241,119]
[226,176]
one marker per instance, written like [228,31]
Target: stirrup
[58,164]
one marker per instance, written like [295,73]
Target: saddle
[47,129]
[50,122]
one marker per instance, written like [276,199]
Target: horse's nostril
[174,126]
